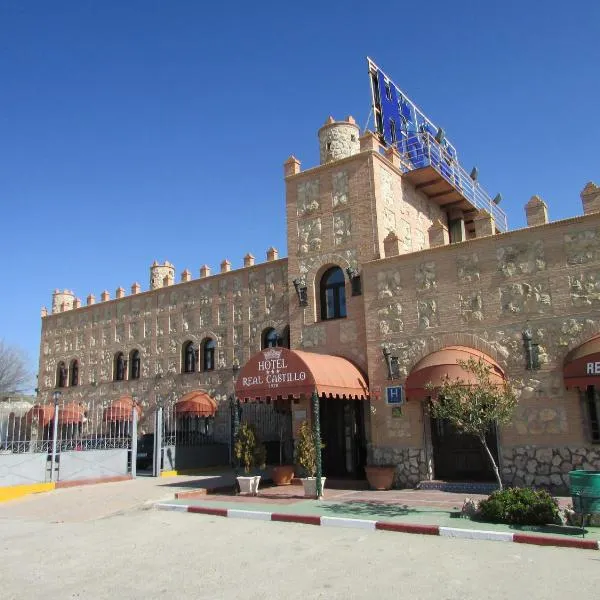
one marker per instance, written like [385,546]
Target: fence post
[134,417]
[317,442]
[157,441]
[54,436]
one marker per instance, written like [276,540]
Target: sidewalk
[416,511]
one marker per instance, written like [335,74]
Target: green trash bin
[585,491]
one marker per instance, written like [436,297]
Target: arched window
[134,364]
[119,371]
[208,355]
[189,358]
[333,294]
[61,375]
[270,338]
[74,373]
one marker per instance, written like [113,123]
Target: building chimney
[484,224]
[204,271]
[91,299]
[272,254]
[438,234]
[391,244]
[136,288]
[120,293]
[186,276]
[105,296]
[291,166]
[248,260]
[225,266]
[590,198]
[77,303]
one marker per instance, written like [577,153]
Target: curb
[325,521]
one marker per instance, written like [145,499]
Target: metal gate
[65,441]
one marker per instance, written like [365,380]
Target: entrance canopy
[121,410]
[582,365]
[43,413]
[435,367]
[71,413]
[196,404]
[282,373]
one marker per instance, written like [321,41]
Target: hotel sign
[273,371]
[593,368]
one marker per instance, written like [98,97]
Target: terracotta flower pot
[380,478]
[282,474]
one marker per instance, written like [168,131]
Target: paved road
[137,553]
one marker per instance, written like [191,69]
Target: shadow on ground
[377,509]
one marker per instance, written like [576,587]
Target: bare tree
[475,408]
[14,375]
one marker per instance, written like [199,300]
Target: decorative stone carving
[386,182]
[237,287]
[254,309]
[582,247]
[309,235]
[134,330]
[388,284]
[467,266]
[222,314]
[173,326]
[308,197]
[147,327]
[389,221]
[425,276]
[342,228]
[222,361]
[471,307]
[428,315]
[585,289]
[348,332]
[339,182]
[339,257]
[520,298]
[238,335]
[237,313]
[521,259]
[405,235]
[419,242]
[390,319]
[206,316]
[313,335]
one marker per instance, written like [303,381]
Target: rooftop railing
[419,150]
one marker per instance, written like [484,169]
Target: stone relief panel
[406,235]
[519,298]
[585,289]
[222,314]
[390,320]
[348,332]
[428,313]
[308,197]
[419,242]
[425,276]
[237,313]
[313,336]
[254,309]
[388,284]
[134,330]
[206,315]
[386,182]
[389,221]
[471,307]
[174,324]
[342,228]
[223,285]
[205,293]
[238,335]
[521,259]
[119,333]
[582,247]
[339,182]
[467,267]
[236,287]
[309,235]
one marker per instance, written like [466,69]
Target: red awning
[71,413]
[196,404]
[582,365]
[435,367]
[121,410]
[43,413]
[283,373]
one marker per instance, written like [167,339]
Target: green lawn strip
[394,513]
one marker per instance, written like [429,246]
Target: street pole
[317,442]
[134,420]
[56,397]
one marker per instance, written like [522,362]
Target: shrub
[520,506]
[248,450]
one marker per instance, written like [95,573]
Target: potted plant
[306,457]
[380,477]
[251,454]
[282,474]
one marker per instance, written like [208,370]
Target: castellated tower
[161,275]
[62,300]
[338,139]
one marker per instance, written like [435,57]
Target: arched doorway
[456,456]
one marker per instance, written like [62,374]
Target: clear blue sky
[140,130]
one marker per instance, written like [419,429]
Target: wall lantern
[391,363]
[354,277]
[301,291]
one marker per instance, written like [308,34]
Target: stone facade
[423,296]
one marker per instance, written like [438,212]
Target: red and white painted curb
[452,532]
